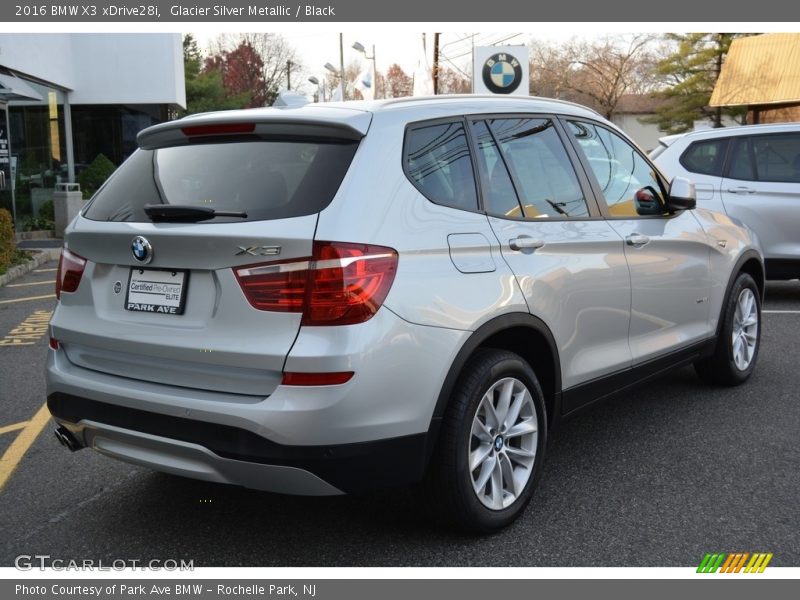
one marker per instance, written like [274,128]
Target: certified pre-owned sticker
[157,291]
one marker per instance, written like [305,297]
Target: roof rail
[445,97]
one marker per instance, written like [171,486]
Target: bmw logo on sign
[501,70]
[502,73]
[142,250]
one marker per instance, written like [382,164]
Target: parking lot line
[26,299]
[782,312]
[48,282]
[44,270]
[16,451]
[14,427]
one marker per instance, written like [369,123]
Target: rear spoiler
[215,125]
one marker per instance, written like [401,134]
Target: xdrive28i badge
[502,73]
[142,250]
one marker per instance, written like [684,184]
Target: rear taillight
[70,271]
[340,284]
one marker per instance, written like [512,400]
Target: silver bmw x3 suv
[324,299]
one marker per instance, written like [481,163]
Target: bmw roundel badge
[502,73]
[142,250]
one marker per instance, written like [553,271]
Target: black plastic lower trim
[581,395]
[348,467]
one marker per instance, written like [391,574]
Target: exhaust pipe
[66,439]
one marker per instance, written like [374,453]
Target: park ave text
[177,589]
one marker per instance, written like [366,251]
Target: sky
[403,47]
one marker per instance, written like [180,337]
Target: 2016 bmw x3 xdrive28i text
[323,299]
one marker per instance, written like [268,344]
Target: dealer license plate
[156,291]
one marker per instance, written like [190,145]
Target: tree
[691,72]
[242,74]
[595,73]
[453,82]
[205,90]
[279,62]
[398,83]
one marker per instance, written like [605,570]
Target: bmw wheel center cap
[502,73]
[142,250]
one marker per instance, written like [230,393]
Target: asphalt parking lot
[657,477]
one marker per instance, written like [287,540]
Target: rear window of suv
[706,157]
[266,179]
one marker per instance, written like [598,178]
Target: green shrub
[95,175]
[8,243]
[47,211]
[37,224]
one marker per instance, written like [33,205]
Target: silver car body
[770,208]
[194,395]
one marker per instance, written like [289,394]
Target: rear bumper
[226,454]
[369,432]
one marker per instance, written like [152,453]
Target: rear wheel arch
[522,334]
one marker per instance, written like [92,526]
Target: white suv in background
[751,173]
[324,299]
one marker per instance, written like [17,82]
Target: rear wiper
[186,213]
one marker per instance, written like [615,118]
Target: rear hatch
[159,299]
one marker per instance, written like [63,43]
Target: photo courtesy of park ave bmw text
[288,286]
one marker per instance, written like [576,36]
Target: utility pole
[435,63]
[288,75]
[341,66]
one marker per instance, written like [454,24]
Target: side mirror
[646,202]
[681,195]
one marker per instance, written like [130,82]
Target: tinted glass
[499,195]
[619,168]
[264,179]
[546,180]
[741,162]
[439,165]
[706,157]
[777,157]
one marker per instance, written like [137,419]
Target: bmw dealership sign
[500,70]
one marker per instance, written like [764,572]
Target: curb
[41,257]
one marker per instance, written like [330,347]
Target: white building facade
[66,98]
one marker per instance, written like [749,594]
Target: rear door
[703,162]
[167,301]
[668,255]
[568,261]
[761,187]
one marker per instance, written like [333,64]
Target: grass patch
[19,257]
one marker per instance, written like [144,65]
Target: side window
[629,184]
[777,157]
[741,161]
[438,164]
[540,167]
[500,198]
[705,157]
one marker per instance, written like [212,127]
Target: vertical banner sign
[5,153]
[500,70]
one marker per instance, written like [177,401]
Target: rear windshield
[264,179]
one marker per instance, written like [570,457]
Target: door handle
[637,240]
[524,242]
[741,190]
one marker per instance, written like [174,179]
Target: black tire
[447,491]
[721,368]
